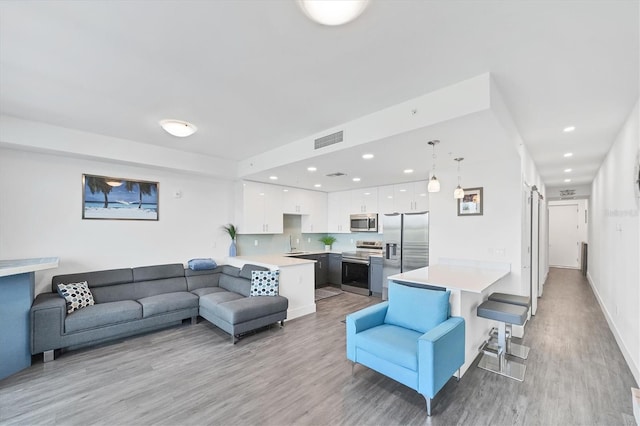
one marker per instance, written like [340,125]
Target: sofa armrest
[362,320]
[48,313]
[440,354]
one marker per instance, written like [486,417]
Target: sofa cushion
[210,300]
[103,314]
[250,308]
[264,283]
[248,269]
[199,279]
[202,264]
[203,291]
[158,272]
[395,344]
[238,285]
[167,302]
[76,295]
[95,279]
[418,309]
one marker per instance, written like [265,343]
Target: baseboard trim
[625,352]
[301,311]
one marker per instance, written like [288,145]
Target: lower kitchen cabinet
[375,276]
[335,269]
[321,267]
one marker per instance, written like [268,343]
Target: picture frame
[114,198]
[472,202]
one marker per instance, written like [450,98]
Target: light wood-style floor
[298,375]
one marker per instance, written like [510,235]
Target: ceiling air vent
[328,140]
[336,174]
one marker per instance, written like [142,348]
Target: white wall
[614,232]
[494,236]
[41,216]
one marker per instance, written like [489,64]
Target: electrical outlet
[255,243]
[308,240]
[297,240]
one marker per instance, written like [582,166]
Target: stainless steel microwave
[364,222]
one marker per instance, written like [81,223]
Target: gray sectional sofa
[136,300]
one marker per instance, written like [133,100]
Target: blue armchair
[410,338]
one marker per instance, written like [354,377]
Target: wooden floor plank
[192,375]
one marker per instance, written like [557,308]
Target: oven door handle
[358,261]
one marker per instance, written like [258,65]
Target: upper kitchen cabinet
[315,220]
[296,201]
[404,198]
[339,204]
[260,208]
[364,200]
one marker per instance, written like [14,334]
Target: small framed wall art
[106,197]
[471,203]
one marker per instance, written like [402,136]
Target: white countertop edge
[21,266]
[268,261]
[476,280]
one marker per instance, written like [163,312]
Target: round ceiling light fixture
[178,128]
[332,12]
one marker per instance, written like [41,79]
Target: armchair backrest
[418,309]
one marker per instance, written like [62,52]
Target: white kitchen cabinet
[386,199]
[297,201]
[259,210]
[364,200]
[339,209]
[315,220]
[403,198]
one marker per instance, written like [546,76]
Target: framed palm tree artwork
[105,197]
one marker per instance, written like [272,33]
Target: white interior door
[526,247]
[564,244]
[535,247]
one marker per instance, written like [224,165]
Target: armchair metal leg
[47,356]
[353,366]
[458,378]
[428,406]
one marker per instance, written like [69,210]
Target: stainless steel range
[355,267]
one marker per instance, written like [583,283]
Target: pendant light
[434,183]
[458,192]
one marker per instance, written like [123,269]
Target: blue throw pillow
[418,309]
[264,283]
[202,264]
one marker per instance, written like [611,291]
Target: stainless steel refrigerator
[406,244]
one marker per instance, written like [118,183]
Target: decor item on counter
[117,198]
[471,203]
[434,183]
[332,13]
[178,128]
[328,240]
[458,192]
[202,264]
[232,230]
[264,283]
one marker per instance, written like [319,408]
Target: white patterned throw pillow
[264,283]
[77,295]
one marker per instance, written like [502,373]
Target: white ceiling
[254,75]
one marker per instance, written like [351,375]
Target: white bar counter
[469,283]
[297,280]
[17,282]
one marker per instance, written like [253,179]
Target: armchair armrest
[440,354]
[362,320]
[48,313]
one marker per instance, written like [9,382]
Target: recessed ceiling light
[567,170]
[328,12]
[390,196]
[367,156]
[567,180]
[568,154]
[403,190]
[356,179]
[178,128]
[285,190]
[311,169]
[317,185]
[569,129]
[273,177]
[367,193]
[408,171]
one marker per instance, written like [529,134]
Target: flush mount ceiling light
[568,154]
[434,184]
[332,12]
[458,192]
[367,156]
[273,177]
[567,170]
[567,180]
[569,129]
[178,128]
[311,169]
[408,171]
[356,179]
[317,185]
